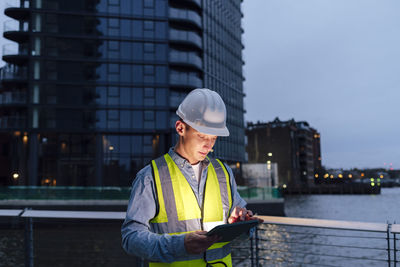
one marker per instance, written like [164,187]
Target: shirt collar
[180,161]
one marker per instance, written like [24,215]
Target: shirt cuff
[179,245]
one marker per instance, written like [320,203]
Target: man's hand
[242,214]
[198,242]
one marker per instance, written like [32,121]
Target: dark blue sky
[333,63]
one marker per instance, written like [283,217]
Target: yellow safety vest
[179,212]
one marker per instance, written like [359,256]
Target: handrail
[331,224]
[10,212]
[55,214]
[292,221]
[395,229]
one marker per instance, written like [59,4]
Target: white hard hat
[204,110]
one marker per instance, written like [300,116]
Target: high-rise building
[294,146]
[90,88]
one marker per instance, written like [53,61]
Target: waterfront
[90,243]
[310,246]
[380,208]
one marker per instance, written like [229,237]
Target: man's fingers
[198,242]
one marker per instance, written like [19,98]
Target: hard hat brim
[207,130]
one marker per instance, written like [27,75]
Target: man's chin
[202,156]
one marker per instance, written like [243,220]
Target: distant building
[260,174]
[90,89]
[294,146]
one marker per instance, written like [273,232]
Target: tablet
[228,232]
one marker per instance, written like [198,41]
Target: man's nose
[208,144]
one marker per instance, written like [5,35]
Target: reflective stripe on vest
[179,211]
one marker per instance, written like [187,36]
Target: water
[303,246]
[366,208]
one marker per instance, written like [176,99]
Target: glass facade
[90,89]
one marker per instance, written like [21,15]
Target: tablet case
[228,232]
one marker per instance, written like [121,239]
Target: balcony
[185,15]
[195,2]
[185,58]
[15,55]
[12,98]
[17,10]
[188,37]
[185,80]
[16,31]
[7,122]
[17,3]
[13,73]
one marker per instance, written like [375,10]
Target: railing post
[252,250]
[394,249]
[28,242]
[256,236]
[388,242]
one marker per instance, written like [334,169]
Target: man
[180,196]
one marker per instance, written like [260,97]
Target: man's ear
[180,127]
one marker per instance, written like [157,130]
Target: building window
[149,119]
[148,74]
[148,29]
[149,51]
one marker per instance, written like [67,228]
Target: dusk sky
[332,63]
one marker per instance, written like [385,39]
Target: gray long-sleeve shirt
[137,239]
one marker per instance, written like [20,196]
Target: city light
[350,176]
[284,186]
[340,175]
[25,139]
[15,176]
[316,175]
[63,145]
[111,148]
[326,175]
[269,154]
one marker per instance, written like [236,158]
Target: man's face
[195,144]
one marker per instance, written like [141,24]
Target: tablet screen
[229,232]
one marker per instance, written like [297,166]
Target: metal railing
[17,3]
[183,14]
[72,238]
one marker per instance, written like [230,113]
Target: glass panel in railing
[11,25]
